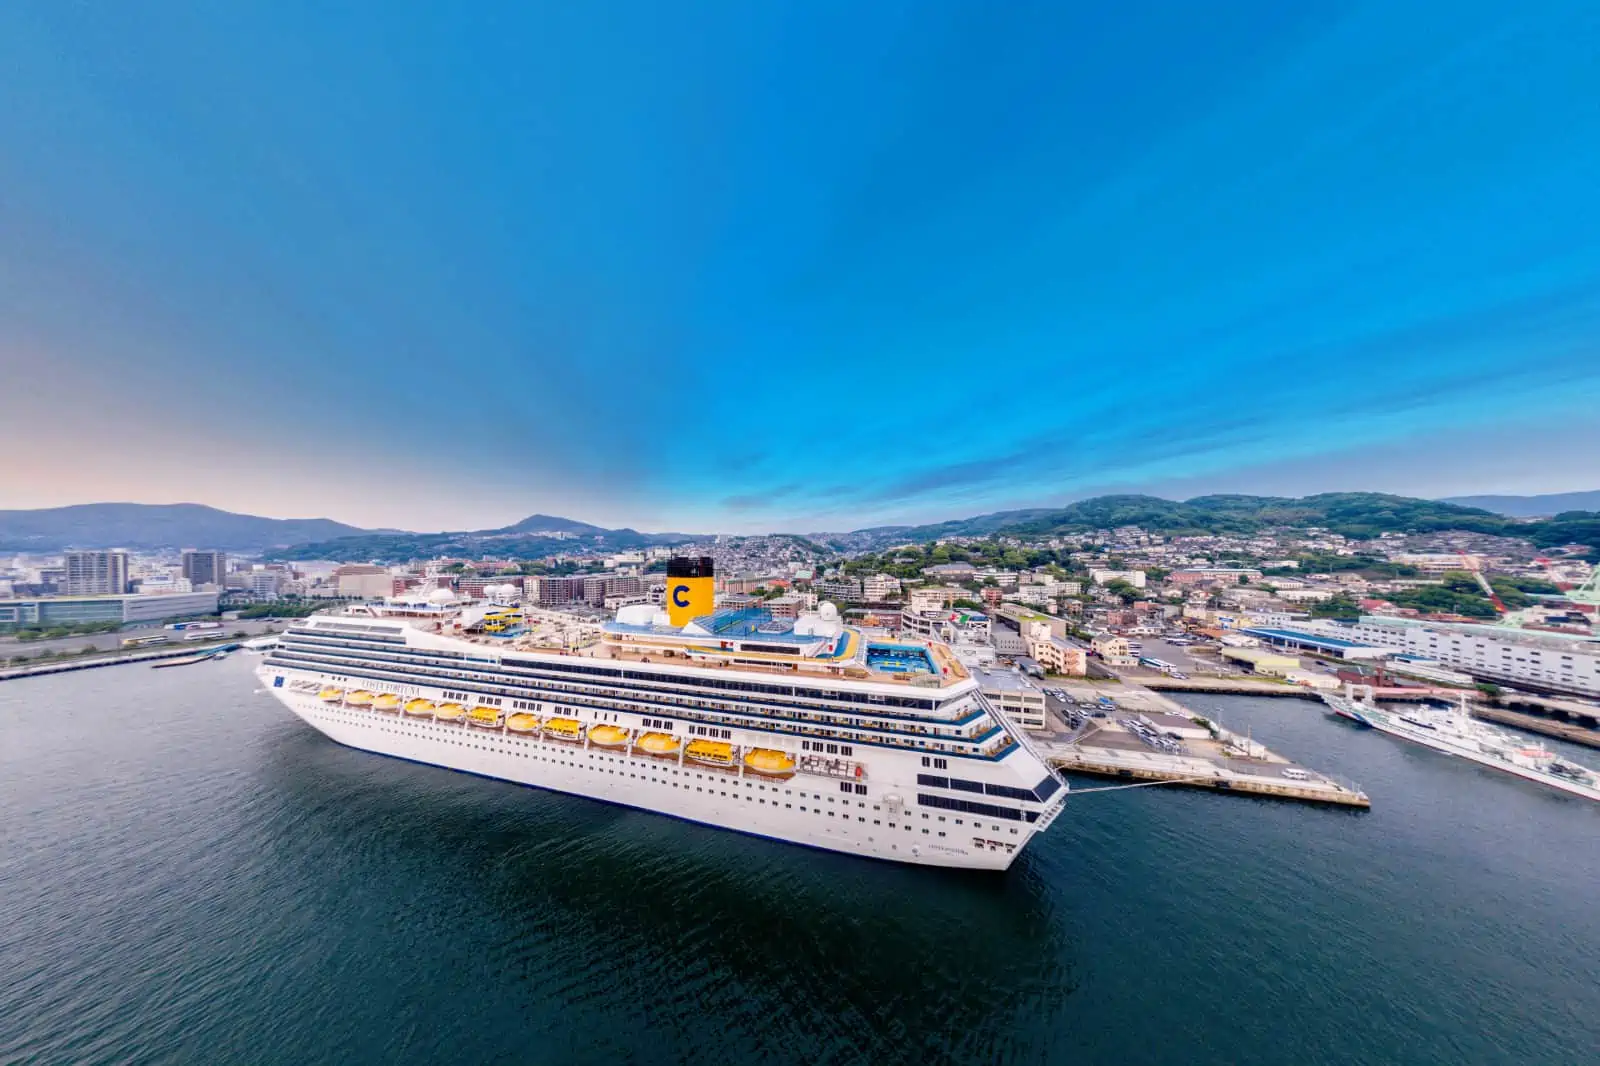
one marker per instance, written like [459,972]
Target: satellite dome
[828,612]
[441,596]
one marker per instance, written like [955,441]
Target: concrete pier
[90,662]
[1533,723]
[1208,757]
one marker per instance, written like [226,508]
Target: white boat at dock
[1454,731]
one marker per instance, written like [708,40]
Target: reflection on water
[675,918]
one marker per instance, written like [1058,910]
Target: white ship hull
[1386,722]
[1576,788]
[800,810]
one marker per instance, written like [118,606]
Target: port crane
[1475,568]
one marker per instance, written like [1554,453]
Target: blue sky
[793,266]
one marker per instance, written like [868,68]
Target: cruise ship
[799,729]
[1455,732]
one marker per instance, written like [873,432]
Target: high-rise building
[205,567]
[96,573]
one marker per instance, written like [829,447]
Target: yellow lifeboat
[564,729]
[488,717]
[711,752]
[331,695]
[359,698]
[523,723]
[387,701]
[658,744]
[449,712]
[609,736]
[419,707]
[769,762]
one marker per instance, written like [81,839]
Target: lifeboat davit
[769,762]
[359,698]
[420,707]
[523,723]
[710,752]
[487,717]
[564,729]
[331,695]
[609,736]
[658,744]
[449,712]
[387,701]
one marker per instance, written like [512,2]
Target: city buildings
[361,581]
[1113,650]
[1013,695]
[96,573]
[1557,662]
[1214,575]
[122,609]
[932,598]
[875,588]
[1056,656]
[205,567]
[1136,578]
[839,590]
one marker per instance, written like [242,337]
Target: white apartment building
[878,587]
[923,600]
[843,590]
[1014,696]
[1514,657]
[1104,577]
[1438,562]
[96,573]
[1059,657]
[1032,595]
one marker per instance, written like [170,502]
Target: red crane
[1483,582]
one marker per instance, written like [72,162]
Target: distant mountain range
[534,537]
[1552,503]
[1355,514]
[146,526]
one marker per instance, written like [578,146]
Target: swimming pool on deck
[899,659]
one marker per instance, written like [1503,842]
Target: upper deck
[752,639]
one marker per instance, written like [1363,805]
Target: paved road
[9,646]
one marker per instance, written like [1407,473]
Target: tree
[1122,590]
[1340,608]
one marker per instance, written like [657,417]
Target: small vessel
[359,698]
[710,752]
[386,701]
[1453,731]
[522,722]
[331,695]
[484,717]
[609,736]
[450,712]
[419,707]
[563,729]
[658,744]
[769,762]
